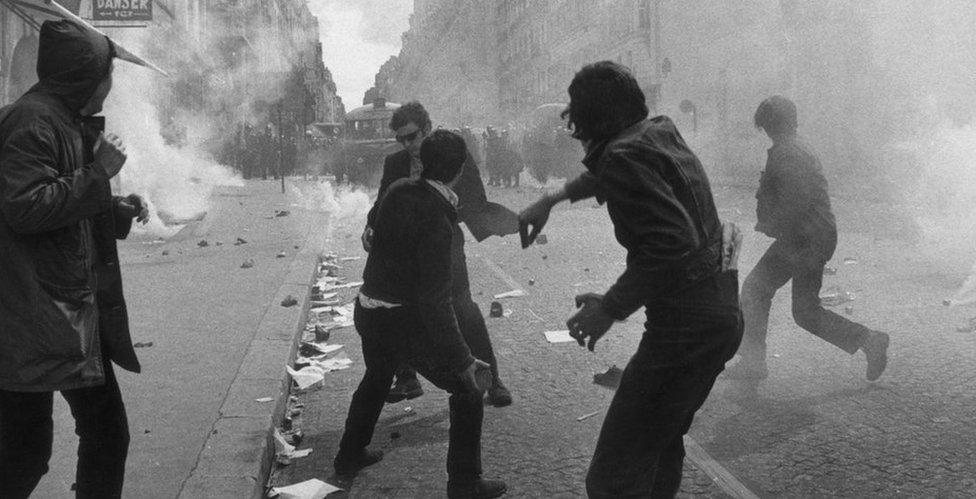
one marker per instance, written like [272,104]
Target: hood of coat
[71,61]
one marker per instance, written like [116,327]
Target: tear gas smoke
[176,181]
[347,206]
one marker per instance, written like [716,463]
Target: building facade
[707,64]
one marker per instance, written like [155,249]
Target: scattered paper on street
[559,337]
[515,293]
[309,489]
[350,258]
[264,400]
[332,287]
[307,377]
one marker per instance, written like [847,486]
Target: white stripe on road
[721,476]
[495,269]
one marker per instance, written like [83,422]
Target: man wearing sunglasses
[411,124]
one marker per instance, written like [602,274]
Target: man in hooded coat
[62,313]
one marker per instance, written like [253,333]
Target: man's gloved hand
[591,322]
[133,206]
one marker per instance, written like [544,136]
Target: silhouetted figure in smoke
[509,162]
[793,208]
[663,212]
[63,319]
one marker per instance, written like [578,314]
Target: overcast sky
[358,36]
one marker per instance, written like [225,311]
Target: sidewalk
[219,340]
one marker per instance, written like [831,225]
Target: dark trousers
[783,262]
[389,337]
[470,319]
[689,337]
[27,433]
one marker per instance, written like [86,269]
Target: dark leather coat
[61,303]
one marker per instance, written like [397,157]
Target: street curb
[236,460]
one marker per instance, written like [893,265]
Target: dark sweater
[410,264]
[792,201]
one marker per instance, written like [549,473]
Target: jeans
[689,336]
[388,339]
[27,433]
[470,319]
[782,262]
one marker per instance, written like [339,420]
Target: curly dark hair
[604,99]
[443,154]
[776,115]
[412,111]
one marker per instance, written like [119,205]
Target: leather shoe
[347,467]
[404,390]
[482,489]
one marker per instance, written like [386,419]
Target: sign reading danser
[122,10]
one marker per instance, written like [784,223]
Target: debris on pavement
[142,345]
[541,239]
[203,243]
[309,489]
[835,295]
[289,301]
[850,261]
[830,271]
[281,255]
[282,213]
[335,286]
[240,241]
[247,264]
[559,336]
[531,282]
[587,416]
[848,310]
[515,293]
[350,259]
[165,252]
[264,400]
[495,310]
[947,303]
[307,377]
[609,379]
[285,452]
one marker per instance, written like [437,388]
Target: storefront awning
[35,12]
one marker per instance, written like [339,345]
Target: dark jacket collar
[596,150]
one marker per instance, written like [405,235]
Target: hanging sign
[122,10]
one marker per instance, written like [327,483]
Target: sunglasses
[410,137]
